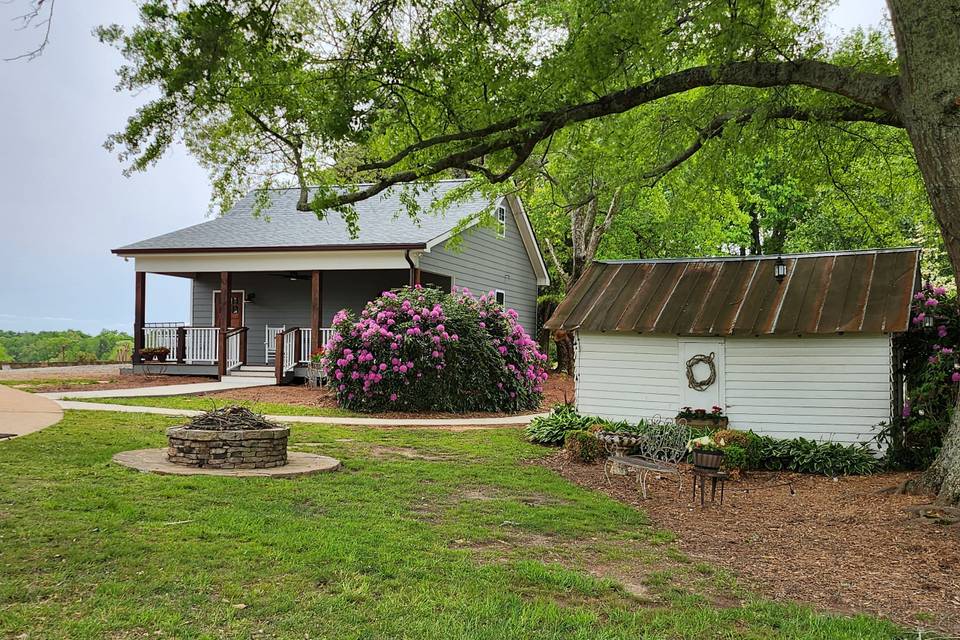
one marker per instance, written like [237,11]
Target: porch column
[316,308]
[226,282]
[139,314]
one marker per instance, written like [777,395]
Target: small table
[715,476]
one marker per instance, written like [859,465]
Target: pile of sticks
[231,418]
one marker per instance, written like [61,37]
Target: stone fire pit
[239,449]
[232,441]
[229,438]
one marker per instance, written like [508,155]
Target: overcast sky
[64,202]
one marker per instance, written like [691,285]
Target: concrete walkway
[229,382]
[372,422]
[22,413]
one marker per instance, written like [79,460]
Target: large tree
[388,92]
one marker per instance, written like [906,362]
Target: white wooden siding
[825,387]
[622,377]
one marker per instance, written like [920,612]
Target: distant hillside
[64,346]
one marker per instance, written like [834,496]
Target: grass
[206,403]
[466,541]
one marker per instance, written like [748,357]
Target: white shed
[798,345]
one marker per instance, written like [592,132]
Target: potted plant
[707,453]
[148,353]
[703,418]
[161,353]
[315,367]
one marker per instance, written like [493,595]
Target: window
[501,222]
[501,297]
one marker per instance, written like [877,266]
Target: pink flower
[931,302]
[942,331]
[393,397]
[955,376]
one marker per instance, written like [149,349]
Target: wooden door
[236,309]
[712,395]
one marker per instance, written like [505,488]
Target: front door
[236,309]
[702,385]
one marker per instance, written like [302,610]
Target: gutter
[123,251]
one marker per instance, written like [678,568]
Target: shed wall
[823,387]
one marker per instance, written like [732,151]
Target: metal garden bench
[659,449]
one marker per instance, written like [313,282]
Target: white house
[789,346]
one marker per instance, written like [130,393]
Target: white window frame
[501,221]
[500,293]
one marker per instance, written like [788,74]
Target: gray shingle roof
[383,220]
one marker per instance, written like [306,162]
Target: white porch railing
[233,351]
[200,344]
[289,351]
[325,333]
[155,337]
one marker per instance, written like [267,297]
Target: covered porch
[267,324]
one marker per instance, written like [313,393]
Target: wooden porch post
[316,308]
[139,315]
[181,345]
[225,286]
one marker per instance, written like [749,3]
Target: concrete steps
[253,371]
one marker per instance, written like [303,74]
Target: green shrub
[550,430]
[808,456]
[735,457]
[583,446]
[732,437]
[416,349]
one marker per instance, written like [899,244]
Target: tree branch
[556,262]
[868,89]
[715,127]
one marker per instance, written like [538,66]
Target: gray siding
[483,262]
[281,301]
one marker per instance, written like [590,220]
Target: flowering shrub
[416,349]
[932,372]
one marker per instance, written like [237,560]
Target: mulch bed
[557,389]
[839,544]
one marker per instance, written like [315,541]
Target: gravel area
[841,544]
[93,371]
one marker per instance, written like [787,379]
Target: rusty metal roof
[848,292]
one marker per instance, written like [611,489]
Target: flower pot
[161,357]
[720,423]
[707,459]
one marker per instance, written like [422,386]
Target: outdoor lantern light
[928,321]
[779,269]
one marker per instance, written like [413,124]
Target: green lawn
[205,404]
[465,541]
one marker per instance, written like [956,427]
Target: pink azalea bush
[931,366]
[421,349]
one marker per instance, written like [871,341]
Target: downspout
[414,271]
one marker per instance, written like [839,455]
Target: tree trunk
[565,358]
[928,51]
